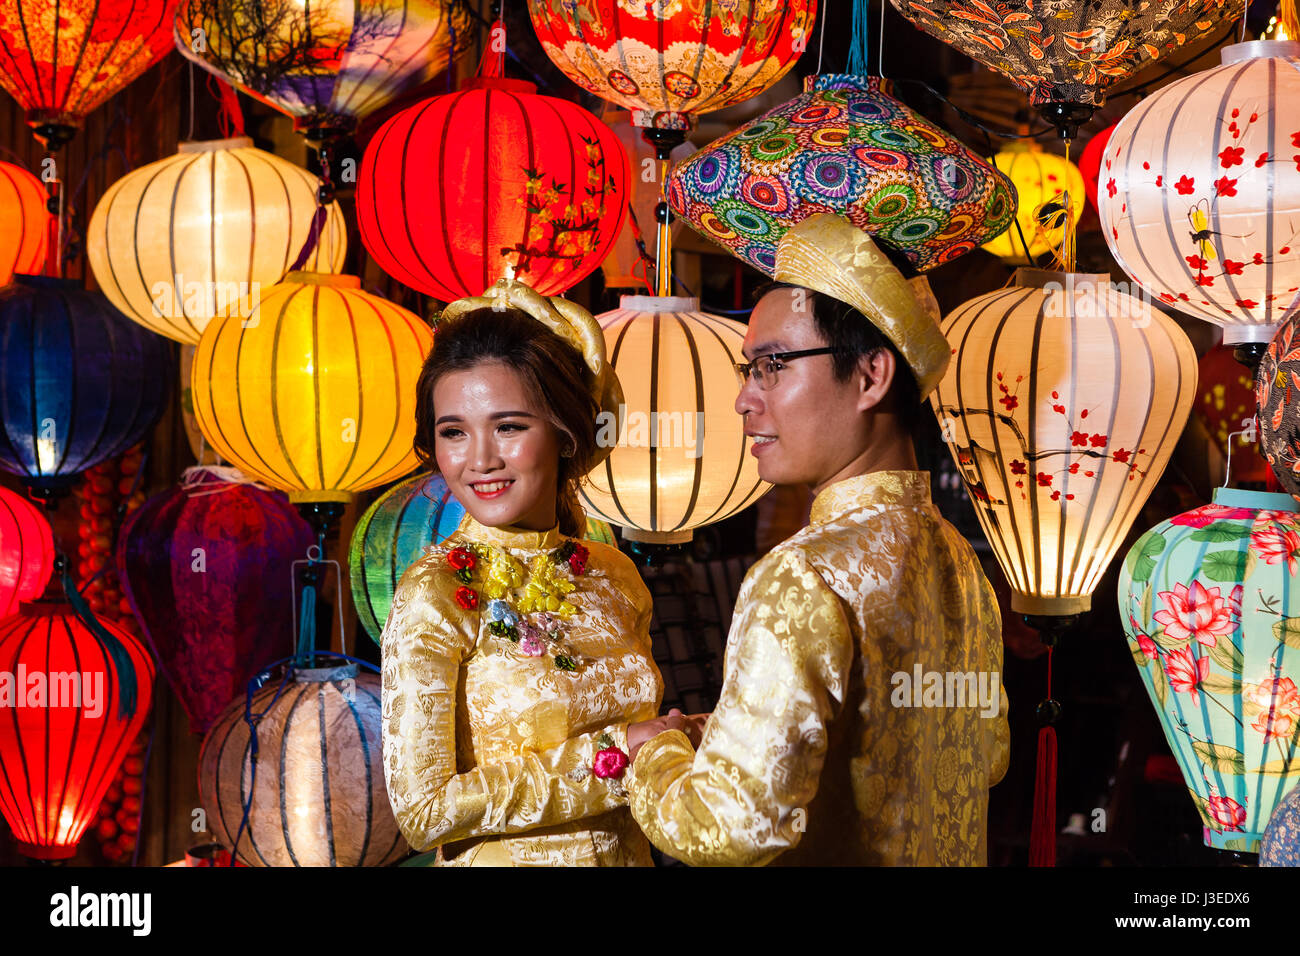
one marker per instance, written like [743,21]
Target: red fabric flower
[461,559]
[1185,186]
[1231,156]
[467,598]
[578,560]
[610,762]
[1225,186]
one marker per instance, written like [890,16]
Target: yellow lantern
[1041,179]
[314,393]
[1061,407]
[179,242]
[681,458]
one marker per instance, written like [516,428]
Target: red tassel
[493,64]
[1042,833]
[231,117]
[313,238]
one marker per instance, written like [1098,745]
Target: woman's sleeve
[425,639]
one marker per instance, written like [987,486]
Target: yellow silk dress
[806,759]
[488,752]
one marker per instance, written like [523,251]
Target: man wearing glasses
[817,753]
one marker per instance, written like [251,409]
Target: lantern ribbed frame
[26,551]
[25,236]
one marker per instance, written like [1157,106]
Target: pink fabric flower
[1186,672]
[532,646]
[1280,700]
[1197,612]
[1276,543]
[1227,812]
[610,762]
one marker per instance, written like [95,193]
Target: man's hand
[639,733]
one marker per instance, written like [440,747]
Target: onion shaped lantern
[24,223]
[26,551]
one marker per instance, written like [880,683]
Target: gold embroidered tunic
[488,752]
[806,760]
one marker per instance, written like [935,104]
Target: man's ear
[876,372]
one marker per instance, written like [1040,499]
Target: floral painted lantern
[1281,843]
[1210,601]
[175,243]
[1041,178]
[26,551]
[1199,192]
[1064,401]
[843,146]
[311,792]
[24,223]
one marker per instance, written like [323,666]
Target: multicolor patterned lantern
[206,568]
[61,60]
[200,234]
[665,61]
[328,63]
[314,394]
[1065,399]
[314,787]
[1065,54]
[62,733]
[681,458]
[1200,191]
[453,190]
[80,383]
[847,147]
[1276,397]
[26,551]
[24,223]
[1209,601]
[1040,179]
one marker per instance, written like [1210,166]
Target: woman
[516,658]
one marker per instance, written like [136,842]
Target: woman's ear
[876,372]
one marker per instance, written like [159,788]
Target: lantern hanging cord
[821,42]
[190,137]
[968,118]
[1015,219]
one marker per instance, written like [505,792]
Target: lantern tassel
[307,626]
[127,678]
[231,117]
[1290,20]
[313,238]
[1042,831]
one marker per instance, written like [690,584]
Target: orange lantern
[24,223]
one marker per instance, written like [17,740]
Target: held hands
[692,725]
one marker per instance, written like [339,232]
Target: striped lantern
[314,788]
[198,235]
[1200,191]
[314,393]
[1064,401]
[24,223]
[26,551]
[1040,178]
[681,458]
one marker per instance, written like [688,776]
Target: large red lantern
[63,733]
[24,223]
[26,551]
[455,188]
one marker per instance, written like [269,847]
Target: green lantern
[1210,601]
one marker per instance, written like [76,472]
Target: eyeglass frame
[745,369]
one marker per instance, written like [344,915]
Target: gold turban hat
[831,255]
[566,319]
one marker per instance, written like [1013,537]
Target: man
[815,754]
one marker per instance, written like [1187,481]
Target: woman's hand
[692,726]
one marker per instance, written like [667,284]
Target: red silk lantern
[1090,163]
[455,188]
[1225,403]
[24,223]
[61,744]
[26,551]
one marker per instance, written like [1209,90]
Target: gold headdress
[831,255]
[569,321]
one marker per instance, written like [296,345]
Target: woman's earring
[567,450]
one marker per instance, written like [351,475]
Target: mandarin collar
[509,536]
[905,488]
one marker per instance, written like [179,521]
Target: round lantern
[207,570]
[61,60]
[1210,602]
[1064,400]
[1090,162]
[81,383]
[26,551]
[1040,179]
[62,733]
[843,146]
[314,393]
[328,63]
[681,457]
[1276,388]
[197,235]
[453,190]
[667,61]
[24,223]
[1199,191]
[1281,843]
[314,787]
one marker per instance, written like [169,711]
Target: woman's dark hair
[842,326]
[551,369]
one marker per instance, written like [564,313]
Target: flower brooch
[610,763]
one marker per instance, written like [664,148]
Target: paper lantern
[314,394]
[1040,178]
[80,383]
[26,551]
[1225,403]
[206,568]
[393,533]
[667,61]
[197,235]
[61,60]
[24,223]
[314,787]
[1064,400]
[329,63]
[1066,53]
[62,735]
[1281,843]
[1090,162]
[1200,192]
[843,146]
[681,458]
[454,189]
[1276,389]
[1209,602]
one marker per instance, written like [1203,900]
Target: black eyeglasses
[765,367]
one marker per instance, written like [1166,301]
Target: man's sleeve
[741,799]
